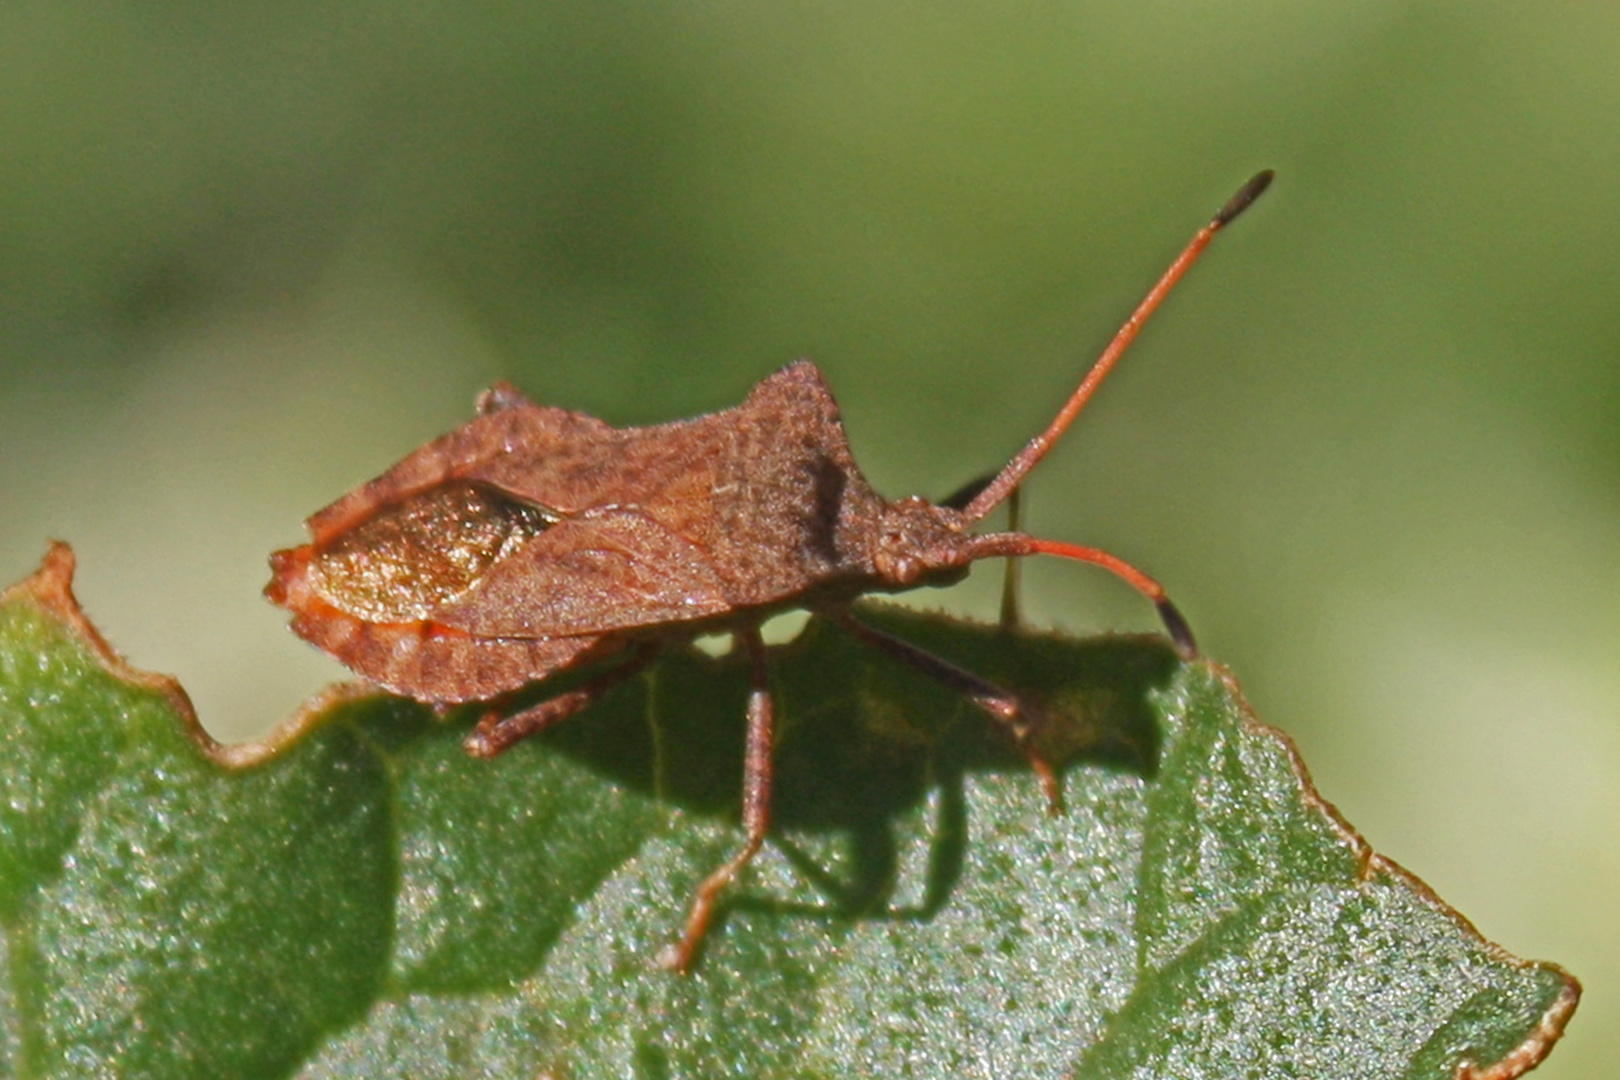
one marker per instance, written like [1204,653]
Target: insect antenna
[978,499]
[1013,544]
[991,496]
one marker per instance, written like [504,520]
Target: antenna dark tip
[1246,195]
[1181,634]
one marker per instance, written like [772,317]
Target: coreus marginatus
[533,540]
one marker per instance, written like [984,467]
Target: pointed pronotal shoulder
[801,376]
[798,382]
[796,390]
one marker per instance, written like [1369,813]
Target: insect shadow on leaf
[533,542]
[863,742]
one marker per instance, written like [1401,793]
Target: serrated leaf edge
[1529,1053]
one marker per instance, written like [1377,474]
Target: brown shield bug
[533,540]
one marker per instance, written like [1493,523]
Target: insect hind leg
[497,733]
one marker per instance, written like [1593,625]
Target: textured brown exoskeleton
[534,539]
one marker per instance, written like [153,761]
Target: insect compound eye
[420,553]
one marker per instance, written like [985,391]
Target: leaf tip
[1534,1049]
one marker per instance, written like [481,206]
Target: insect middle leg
[1003,706]
[756,805]
[496,734]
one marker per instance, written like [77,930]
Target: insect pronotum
[533,540]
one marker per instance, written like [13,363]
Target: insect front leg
[1011,615]
[1003,706]
[496,734]
[756,805]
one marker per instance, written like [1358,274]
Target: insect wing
[603,570]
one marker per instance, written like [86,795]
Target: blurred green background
[251,254]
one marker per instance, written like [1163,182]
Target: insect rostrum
[534,539]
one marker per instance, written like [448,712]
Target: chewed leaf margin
[50,588]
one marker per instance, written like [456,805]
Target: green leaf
[357,897]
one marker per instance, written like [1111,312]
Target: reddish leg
[756,807]
[958,500]
[1011,617]
[496,734]
[1003,706]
